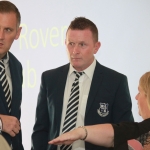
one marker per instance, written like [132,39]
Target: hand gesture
[10,125]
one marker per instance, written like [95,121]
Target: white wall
[124,32]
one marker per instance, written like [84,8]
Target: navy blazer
[16,77]
[108,102]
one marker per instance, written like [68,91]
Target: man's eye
[82,44]
[8,30]
[71,43]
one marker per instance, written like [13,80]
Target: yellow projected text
[29,76]
[40,37]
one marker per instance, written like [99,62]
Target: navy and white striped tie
[72,109]
[5,85]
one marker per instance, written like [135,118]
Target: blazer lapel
[96,81]
[2,96]
[60,93]
[15,78]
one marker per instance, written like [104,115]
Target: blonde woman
[118,136]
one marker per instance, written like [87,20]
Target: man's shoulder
[54,75]
[13,58]
[108,71]
[57,71]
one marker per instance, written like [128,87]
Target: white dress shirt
[84,87]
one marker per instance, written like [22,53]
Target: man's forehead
[8,15]
[8,18]
[78,30]
[79,33]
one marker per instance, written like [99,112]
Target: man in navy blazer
[104,94]
[10,126]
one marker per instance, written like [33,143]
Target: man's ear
[65,42]
[97,46]
[18,33]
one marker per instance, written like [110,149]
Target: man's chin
[76,65]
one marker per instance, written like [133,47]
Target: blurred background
[124,33]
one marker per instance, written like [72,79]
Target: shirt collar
[6,58]
[88,71]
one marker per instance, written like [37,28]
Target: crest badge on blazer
[103,109]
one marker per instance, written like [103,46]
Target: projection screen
[124,33]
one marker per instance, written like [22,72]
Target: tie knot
[78,74]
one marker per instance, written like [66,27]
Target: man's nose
[136,97]
[1,34]
[76,49]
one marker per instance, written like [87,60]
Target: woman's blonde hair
[144,83]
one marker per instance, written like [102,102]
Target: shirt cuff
[0,125]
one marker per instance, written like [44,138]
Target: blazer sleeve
[129,130]
[40,129]
[122,107]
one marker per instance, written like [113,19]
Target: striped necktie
[72,109]
[5,85]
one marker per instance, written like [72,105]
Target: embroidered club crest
[103,110]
